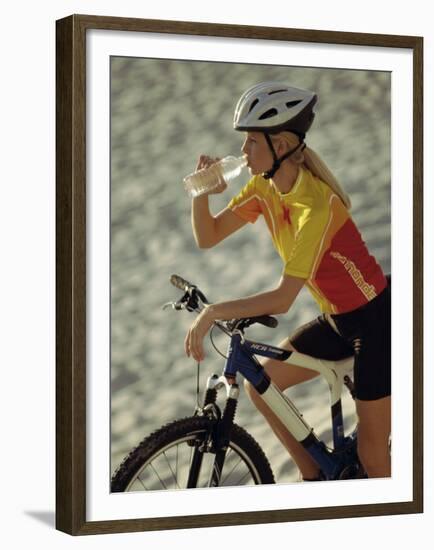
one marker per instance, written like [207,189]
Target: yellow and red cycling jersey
[316,238]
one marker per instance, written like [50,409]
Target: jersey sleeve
[308,243]
[246,204]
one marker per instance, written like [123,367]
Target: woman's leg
[373,436]
[284,376]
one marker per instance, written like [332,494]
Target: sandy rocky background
[163,115]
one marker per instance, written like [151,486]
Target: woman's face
[259,157]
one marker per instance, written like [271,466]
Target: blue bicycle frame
[241,358]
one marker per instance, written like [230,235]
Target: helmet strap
[278,161]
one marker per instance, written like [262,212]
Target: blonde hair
[315,164]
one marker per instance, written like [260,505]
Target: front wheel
[164,459]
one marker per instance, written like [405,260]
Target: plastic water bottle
[207,179]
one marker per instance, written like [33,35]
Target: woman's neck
[285,178]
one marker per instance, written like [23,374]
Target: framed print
[153,430]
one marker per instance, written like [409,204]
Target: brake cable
[198,385]
[213,344]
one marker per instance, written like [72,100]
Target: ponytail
[312,161]
[318,167]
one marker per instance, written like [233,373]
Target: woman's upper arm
[226,223]
[288,289]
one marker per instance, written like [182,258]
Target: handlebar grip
[180,283]
[268,321]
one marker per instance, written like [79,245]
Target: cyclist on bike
[307,214]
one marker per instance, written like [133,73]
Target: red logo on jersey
[286,217]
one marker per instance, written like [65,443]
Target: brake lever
[189,302]
[174,305]
[235,324]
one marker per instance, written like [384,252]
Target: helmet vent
[268,114]
[253,104]
[293,103]
[277,91]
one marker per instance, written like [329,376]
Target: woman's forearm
[267,303]
[273,302]
[202,221]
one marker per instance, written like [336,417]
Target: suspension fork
[208,408]
[221,430]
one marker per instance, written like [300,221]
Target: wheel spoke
[229,473]
[240,481]
[156,473]
[171,470]
[142,482]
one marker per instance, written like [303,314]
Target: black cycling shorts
[364,333]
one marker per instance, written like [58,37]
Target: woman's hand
[205,162]
[193,343]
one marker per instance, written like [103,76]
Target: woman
[306,212]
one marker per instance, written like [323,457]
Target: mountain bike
[209,449]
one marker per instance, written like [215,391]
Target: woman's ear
[283,146]
[280,146]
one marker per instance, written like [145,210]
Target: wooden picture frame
[71,291]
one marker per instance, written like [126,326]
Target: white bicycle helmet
[272,107]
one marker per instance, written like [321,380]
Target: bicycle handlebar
[187,287]
[180,283]
[192,293]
